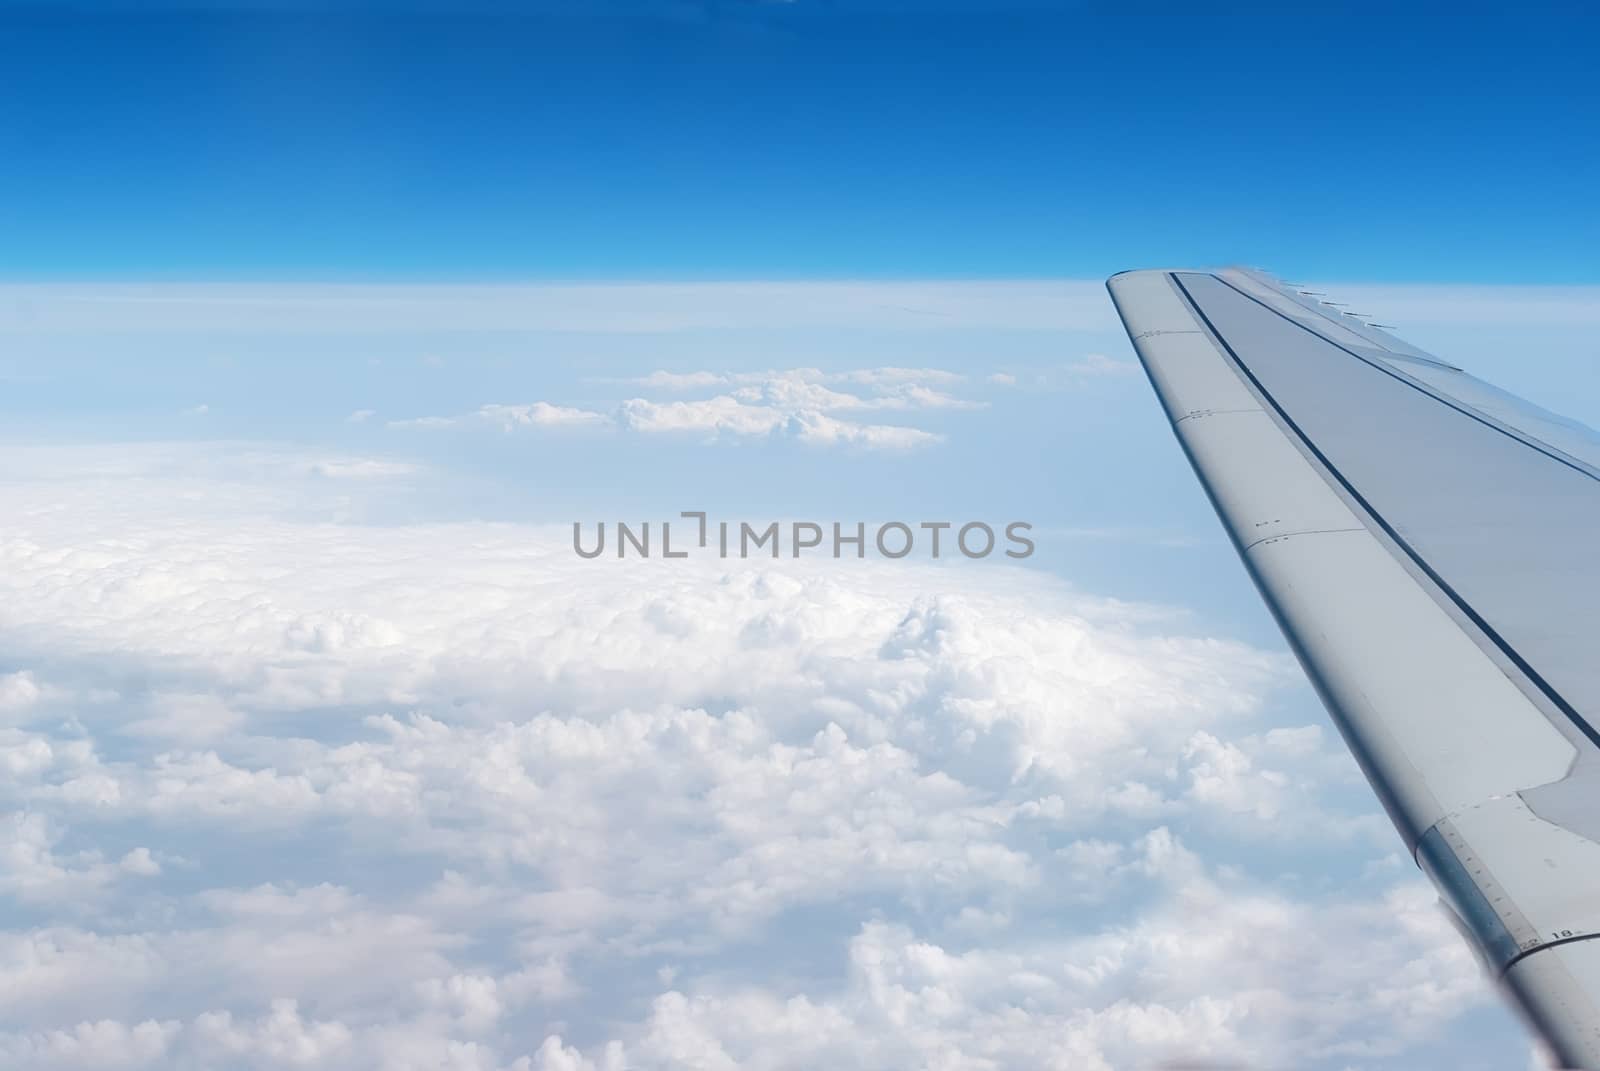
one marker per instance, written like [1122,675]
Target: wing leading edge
[1425,542]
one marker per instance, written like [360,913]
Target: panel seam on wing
[1279,537]
[1196,413]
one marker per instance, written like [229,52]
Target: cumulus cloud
[882,378]
[105,1044]
[33,871]
[18,691]
[1111,1000]
[794,403]
[888,388]
[819,428]
[511,416]
[289,791]
[722,414]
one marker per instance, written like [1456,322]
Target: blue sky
[318,331]
[796,140]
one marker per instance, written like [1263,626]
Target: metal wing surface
[1430,546]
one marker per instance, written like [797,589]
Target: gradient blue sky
[804,139]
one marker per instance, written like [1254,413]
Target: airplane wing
[1430,547]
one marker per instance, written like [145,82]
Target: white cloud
[541,413]
[788,406]
[1222,774]
[443,795]
[104,1045]
[722,414]
[883,378]
[281,1038]
[18,691]
[1175,990]
[796,392]
[33,872]
[795,403]
[890,388]
[819,428]
[798,403]
[915,396]
[361,416]
[141,863]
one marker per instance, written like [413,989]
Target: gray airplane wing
[1431,548]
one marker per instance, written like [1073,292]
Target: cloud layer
[287,791]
